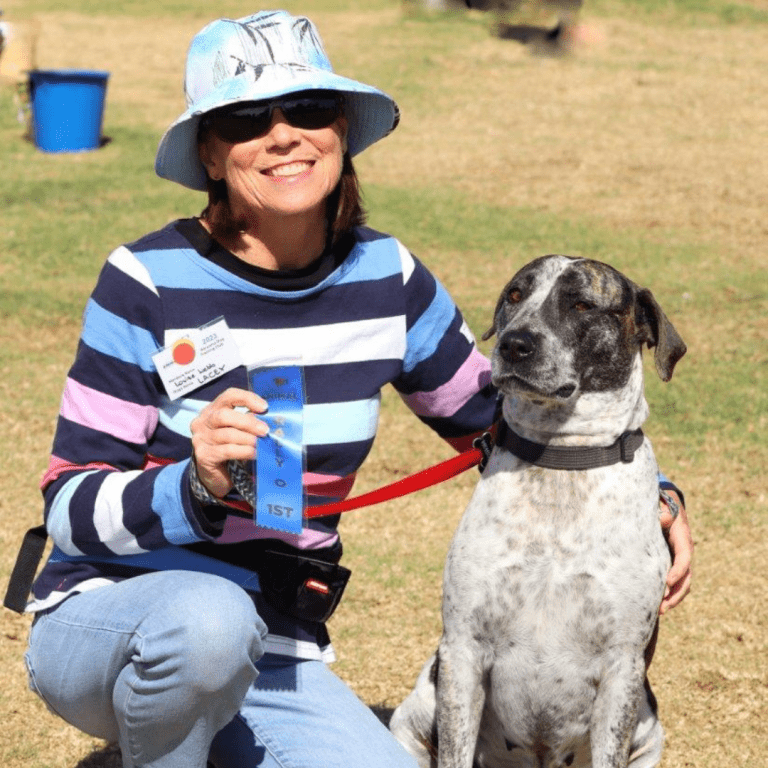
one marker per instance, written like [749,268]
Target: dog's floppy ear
[487,335]
[657,331]
[495,325]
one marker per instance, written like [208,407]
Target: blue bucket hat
[263,56]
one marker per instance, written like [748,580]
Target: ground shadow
[542,40]
[383,713]
[103,141]
[109,756]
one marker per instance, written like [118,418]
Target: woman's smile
[289,171]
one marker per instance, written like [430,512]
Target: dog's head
[568,326]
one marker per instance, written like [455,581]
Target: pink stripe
[58,466]
[328,485]
[473,375]
[153,462]
[239,529]
[105,413]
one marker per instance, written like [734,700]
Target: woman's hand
[678,534]
[221,434]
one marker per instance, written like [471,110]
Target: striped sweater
[117,488]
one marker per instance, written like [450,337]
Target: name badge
[201,355]
[279,465]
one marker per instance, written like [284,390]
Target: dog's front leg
[614,717]
[460,700]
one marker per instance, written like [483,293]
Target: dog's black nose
[517,345]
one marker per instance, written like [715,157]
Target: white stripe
[467,333]
[108,514]
[33,606]
[300,649]
[378,339]
[127,263]
[406,261]
[359,340]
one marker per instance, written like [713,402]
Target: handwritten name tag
[197,357]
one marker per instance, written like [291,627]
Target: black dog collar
[570,458]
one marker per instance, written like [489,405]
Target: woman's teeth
[292,169]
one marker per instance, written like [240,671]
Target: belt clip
[626,451]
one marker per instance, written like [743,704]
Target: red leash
[445,470]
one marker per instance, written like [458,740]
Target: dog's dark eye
[515,296]
[583,306]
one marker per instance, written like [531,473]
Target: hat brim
[371,114]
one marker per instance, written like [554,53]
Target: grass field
[644,148]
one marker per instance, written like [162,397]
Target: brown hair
[343,212]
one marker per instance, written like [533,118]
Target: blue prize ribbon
[279,464]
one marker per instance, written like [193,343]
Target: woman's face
[288,171]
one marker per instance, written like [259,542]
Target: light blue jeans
[170,665]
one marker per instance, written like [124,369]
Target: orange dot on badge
[183,352]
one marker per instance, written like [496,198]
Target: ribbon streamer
[279,464]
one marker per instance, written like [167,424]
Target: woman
[152,628]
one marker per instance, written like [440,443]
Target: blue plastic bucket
[67,108]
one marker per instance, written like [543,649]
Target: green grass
[63,213]
[684,12]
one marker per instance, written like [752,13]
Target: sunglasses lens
[311,113]
[243,124]
[246,123]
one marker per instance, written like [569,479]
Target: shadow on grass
[109,756]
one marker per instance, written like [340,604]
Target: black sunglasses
[244,122]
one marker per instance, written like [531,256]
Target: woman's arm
[678,533]
[118,478]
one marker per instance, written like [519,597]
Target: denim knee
[212,628]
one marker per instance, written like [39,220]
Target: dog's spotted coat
[554,578]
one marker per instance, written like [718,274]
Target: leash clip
[484,444]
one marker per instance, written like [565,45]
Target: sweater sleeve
[105,493]
[445,379]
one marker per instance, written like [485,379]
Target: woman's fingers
[225,430]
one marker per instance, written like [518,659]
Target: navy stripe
[168,238]
[122,295]
[341,460]
[138,517]
[421,290]
[336,304]
[64,576]
[114,377]
[83,445]
[167,444]
[348,381]
[450,353]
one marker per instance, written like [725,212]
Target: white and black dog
[553,581]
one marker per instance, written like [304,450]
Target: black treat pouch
[300,586]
